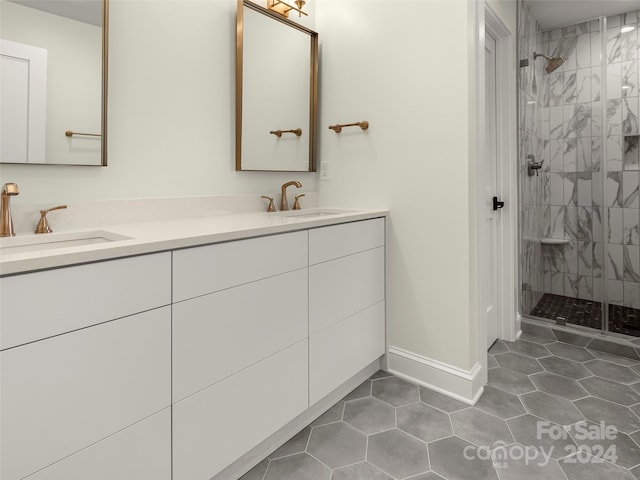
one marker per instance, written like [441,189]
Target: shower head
[552,62]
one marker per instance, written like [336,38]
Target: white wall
[406,71]
[171,112]
[410,71]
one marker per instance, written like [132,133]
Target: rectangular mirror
[276,92]
[53,72]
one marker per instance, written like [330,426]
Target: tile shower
[585,127]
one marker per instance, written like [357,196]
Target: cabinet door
[336,241]
[38,305]
[342,350]
[202,270]
[62,394]
[219,334]
[342,287]
[216,426]
[140,452]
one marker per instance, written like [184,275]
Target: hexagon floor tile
[558,385]
[300,466]
[510,381]
[499,403]
[425,422]
[398,454]
[598,410]
[360,471]
[454,458]
[531,431]
[519,363]
[337,445]
[552,408]
[567,368]
[390,429]
[370,415]
[612,371]
[533,350]
[395,391]
[481,428]
[610,390]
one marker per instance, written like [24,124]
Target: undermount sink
[313,213]
[48,241]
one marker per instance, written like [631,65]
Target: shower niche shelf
[554,241]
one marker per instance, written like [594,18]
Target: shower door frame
[605,301]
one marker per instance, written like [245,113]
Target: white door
[490,216]
[23,102]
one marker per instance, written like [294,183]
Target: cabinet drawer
[62,394]
[213,428]
[42,304]
[345,286]
[337,241]
[201,270]
[342,350]
[140,452]
[221,333]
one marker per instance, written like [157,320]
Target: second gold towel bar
[278,133]
[70,133]
[338,128]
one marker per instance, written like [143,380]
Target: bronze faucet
[284,205]
[8,191]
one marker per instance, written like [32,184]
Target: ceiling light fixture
[284,8]
[627,28]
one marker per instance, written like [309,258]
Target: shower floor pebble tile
[587,313]
[538,403]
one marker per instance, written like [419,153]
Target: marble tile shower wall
[622,57]
[574,191]
[531,93]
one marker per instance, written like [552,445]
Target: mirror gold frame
[103,102]
[313,81]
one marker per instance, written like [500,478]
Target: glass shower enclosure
[579,173]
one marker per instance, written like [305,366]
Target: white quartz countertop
[157,236]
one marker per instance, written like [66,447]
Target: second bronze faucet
[284,205]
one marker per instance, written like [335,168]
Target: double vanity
[183,349]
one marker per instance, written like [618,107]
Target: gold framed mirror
[54,61]
[276,92]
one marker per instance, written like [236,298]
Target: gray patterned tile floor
[550,411]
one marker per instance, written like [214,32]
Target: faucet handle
[271,207]
[43,225]
[296,204]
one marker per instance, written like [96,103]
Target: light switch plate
[324,170]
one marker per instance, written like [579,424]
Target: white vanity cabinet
[240,328]
[174,365]
[346,302]
[86,371]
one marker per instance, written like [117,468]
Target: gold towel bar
[338,128]
[70,133]
[278,133]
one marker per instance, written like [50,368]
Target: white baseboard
[463,385]
[518,328]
